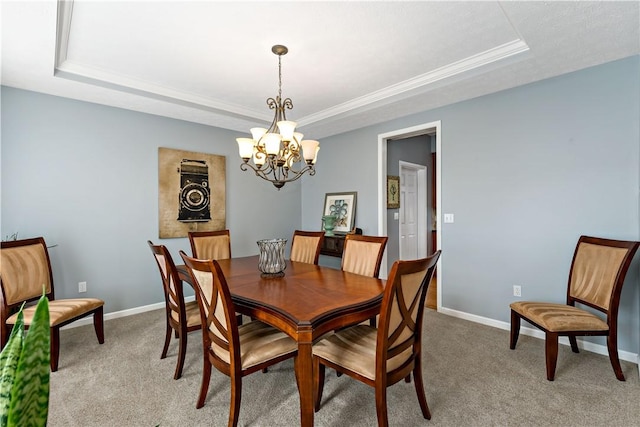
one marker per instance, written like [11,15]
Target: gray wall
[85,177]
[525,171]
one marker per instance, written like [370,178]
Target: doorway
[432,128]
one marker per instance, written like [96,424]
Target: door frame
[383,139]
[421,208]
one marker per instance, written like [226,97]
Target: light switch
[396,215]
[448,218]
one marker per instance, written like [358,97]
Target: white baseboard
[536,333]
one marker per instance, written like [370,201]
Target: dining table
[307,302]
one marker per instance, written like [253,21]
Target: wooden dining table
[306,303]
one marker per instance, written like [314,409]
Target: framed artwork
[191,192]
[343,206]
[393,192]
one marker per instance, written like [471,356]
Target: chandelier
[278,154]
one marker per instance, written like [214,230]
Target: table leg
[304,375]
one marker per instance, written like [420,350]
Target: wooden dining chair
[235,350]
[596,277]
[380,357]
[25,269]
[210,244]
[363,254]
[306,245]
[181,317]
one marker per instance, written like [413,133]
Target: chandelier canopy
[278,154]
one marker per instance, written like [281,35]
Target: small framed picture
[393,192]
[343,207]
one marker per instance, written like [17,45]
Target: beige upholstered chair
[210,244]
[597,274]
[363,254]
[180,317]
[382,356]
[234,350]
[305,246]
[24,269]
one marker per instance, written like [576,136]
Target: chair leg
[167,340]
[318,382]
[574,344]
[236,397]
[407,379]
[515,329]
[204,386]
[98,324]
[422,398]
[612,346]
[55,348]
[381,404]
[182,350]
[551,354]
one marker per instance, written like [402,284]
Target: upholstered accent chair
[235,350]
[306,245]
[596,277]
[181,317]
[25,268]
[210,244]
[381,357]
[363,254]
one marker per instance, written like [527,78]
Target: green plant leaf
[30,393]
[8,364]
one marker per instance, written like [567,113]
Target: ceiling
[350,63]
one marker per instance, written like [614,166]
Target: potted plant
[24,371]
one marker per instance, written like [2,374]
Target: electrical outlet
[82,286]
[517,291]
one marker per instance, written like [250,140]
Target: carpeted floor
[471,379]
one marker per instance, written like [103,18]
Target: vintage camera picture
[195,195]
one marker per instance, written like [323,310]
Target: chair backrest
[210,244]
[363,254]
[24,269]
[598,270]
[171,283]
[306,245]
[401,313]
[217,312]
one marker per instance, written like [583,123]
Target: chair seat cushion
[354,348]
[192,313]
[259,342]
[559,317]
[60,310]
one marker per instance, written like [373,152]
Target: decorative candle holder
[272,262]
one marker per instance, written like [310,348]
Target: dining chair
[25,270]
[597,274]
[382,356]
[306,245]
[363,254]
[235,350]
[181,317]
[210,244]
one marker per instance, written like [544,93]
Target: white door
[413,211]
[408,213]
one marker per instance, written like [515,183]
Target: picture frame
[343,205]
[393,192]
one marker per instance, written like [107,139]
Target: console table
[334,245]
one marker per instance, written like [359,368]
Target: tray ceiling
[350,64]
